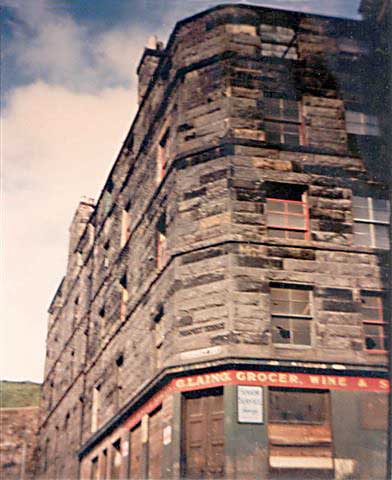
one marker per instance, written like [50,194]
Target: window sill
[292,346]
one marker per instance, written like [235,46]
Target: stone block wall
[131,306]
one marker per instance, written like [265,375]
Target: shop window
[291,315]
[125,224]
[299,429]
[371,222]
[278,42]
[282,120]
[287,212]
[163,154]
[374,325]
[161,241]
[116,460]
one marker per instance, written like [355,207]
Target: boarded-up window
[104,464]
[136,452]
[155,444]
[203,435]
[373,411]
[299,429]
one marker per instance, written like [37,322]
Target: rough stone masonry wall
[213,289]
[18,442]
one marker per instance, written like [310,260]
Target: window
[371,222]
[278,41]
[291,315]
[125,224]
[158,335]
[124,296]
[119,364]
[299,429]
[374,326]
[161,241]
[95,408]
[163,154]
[282,120]
[358,123]
[287,212]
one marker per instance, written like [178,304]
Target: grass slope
[19,394]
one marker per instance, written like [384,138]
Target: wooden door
[136,452]
[155,445]
[203,435]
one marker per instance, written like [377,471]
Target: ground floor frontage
[248,423]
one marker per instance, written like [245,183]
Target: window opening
[125,224]
[161,241]
[291,315]
[163,154]
[374,325]
[282,120]
[371,222]
[95,413]
[287,212]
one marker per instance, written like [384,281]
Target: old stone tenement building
[223,312]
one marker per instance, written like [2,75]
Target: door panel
[155,445]
[136,452]
[203,435]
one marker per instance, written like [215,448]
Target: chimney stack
[148,63]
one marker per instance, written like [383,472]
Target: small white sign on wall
[250,404]
[167,435]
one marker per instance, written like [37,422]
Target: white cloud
[58,145]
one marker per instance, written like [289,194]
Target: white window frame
[359,123]
[371,222]
[292,317]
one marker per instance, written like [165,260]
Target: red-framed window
[283,121]
[287,212]
[374,325]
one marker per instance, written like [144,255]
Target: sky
[68,97]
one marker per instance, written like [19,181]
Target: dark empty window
[287,212]
[291,315]
[287,406]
